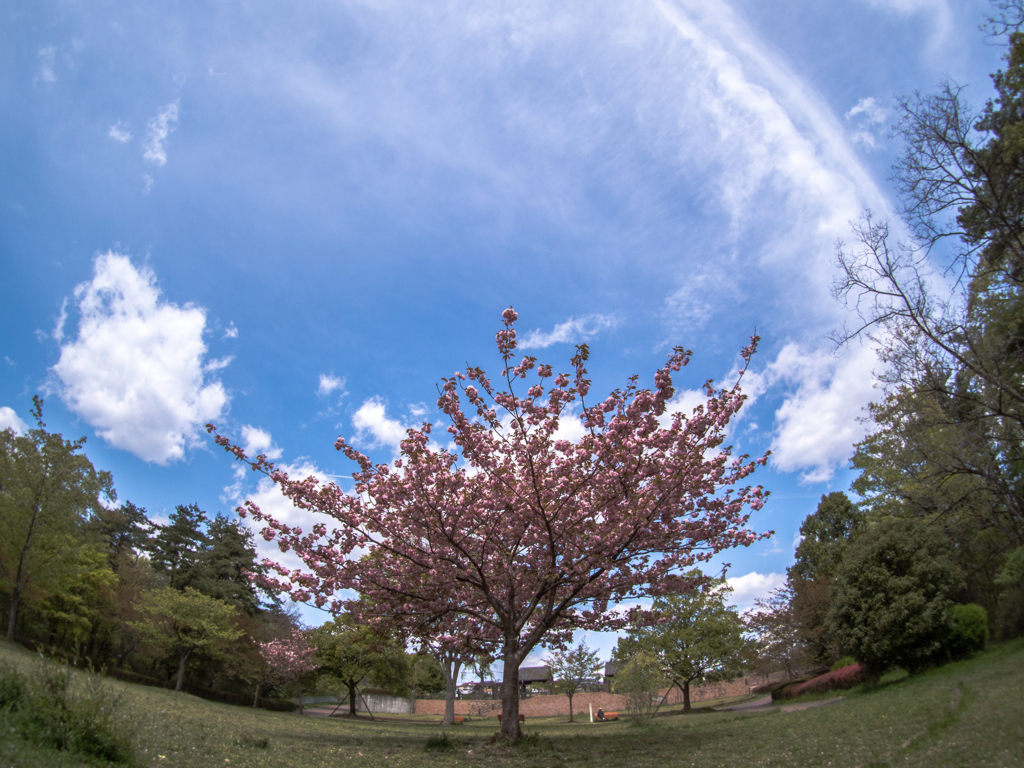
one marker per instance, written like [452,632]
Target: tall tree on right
[946,309]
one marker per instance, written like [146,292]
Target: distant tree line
[101,583]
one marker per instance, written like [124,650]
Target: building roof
[534,674]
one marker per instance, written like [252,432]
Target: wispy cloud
[571,331]
[160,128]
[231,332]
[330,383]
[47,57]
[867,119]
[119,134]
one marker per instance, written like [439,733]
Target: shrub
[890,603]
[12,687]
[970,631]
[278,705]
[780,691]
[47,711]
[846,661]
[840,679]
[439,742]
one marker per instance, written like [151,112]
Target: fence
[389,705]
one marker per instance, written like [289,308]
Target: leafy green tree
[639,679]
[773,625]
[427,674]
[824,536]
[892,596]
[179,547]
[949,438]
[124,531]
[352,653]
[571,669]
[228,557]
[694,635]
[82,598]
[47,490]
[185,622]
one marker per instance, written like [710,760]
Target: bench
[459,719]
[522,718]
[611,716]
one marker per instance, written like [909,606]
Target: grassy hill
[967,713]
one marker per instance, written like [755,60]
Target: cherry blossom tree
[528,534]
[291,658]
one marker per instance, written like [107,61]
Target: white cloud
[373,422]
[268,497]
[119,134]
[329,384]
[62,317]
[256,441]
[572,330]
[868,119]
[817,423]
[160,127]
[748,588]
[10,420]
[939,10]
[47,56]
[136,370]
[231,332]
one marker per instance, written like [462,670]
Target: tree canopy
[529,534]
[47,491]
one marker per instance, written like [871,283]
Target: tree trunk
[686,695]
[15,595]
[451,681]
[570,706]
[510,730]
[256,696]
[298,682]
[181,669]
[352,699]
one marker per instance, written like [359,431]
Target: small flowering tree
[527,534]
[291,658]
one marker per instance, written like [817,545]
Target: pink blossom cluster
[290,657]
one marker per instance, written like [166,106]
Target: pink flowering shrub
[839,680]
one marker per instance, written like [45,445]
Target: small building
[609,674]
[532,677]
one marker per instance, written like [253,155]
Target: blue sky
[294,218]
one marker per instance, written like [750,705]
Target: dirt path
[765,703]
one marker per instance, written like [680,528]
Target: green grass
[968,713]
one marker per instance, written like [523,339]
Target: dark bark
[352,699]
[570,706]
[510,730]
[182,662]
[256,696]
[451,681]
[686,695]
[12,617]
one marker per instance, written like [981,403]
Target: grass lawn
[968,713]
